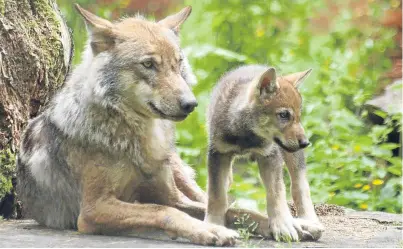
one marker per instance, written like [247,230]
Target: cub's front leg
[219,167]
[301,194]
[282,226]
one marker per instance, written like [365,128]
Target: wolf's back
[45,184]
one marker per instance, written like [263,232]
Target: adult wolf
[254,112]
[101,158]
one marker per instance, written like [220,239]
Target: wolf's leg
[102,212]
[184,179]
[300,192]
[282,225]
[114,215]
[219,166]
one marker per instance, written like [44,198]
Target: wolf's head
[277,105]
[137,65]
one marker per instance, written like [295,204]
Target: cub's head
[278,105]
[137,65]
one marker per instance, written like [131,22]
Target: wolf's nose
[188,106]
[303,143]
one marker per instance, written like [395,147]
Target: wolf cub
[255,112]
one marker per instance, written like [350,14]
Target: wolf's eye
[284,115]
[147,64]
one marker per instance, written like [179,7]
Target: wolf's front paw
[203,237]
[226,237]
[284,229]
[313,228]
[214,235]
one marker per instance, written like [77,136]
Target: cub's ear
[176,20]
[101,31]
[297,78]
[267,83]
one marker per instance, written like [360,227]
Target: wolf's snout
[188,106]
[303,143]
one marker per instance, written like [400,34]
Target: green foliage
[350,163]
[7,169]
[2,7]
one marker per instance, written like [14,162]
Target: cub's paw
[284,229]
[312,229]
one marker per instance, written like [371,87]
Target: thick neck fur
[240,116]
[245,120]
[243,113]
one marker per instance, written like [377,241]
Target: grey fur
[54,193]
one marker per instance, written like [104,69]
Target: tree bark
[35,54]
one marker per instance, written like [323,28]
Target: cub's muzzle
[302,143]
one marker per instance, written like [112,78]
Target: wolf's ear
[176,20]
[297,78]
[267,82]
[100,30]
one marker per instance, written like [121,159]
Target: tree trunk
[35,56]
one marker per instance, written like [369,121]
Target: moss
[2,7]
[7,171]
[50,45]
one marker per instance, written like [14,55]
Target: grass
[246,231]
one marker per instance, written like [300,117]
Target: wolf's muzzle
[188,106]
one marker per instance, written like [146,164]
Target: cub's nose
[188,106]
[303,143]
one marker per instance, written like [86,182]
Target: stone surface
[353,229]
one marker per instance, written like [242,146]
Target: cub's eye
[284,115]
[148,64]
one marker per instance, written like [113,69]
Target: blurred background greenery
[352,47]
